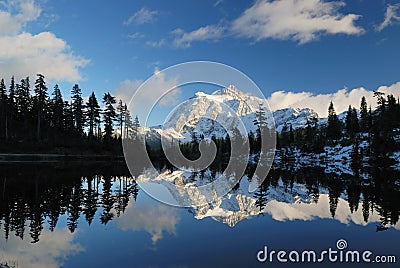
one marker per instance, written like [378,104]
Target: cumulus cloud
[158,90]
[50,252]
[298,20]
[320,102]
[391,16]
[25,54]
[209,32]
[12,23]
[154,219]
[142,16]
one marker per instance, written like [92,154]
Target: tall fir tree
[57,105]
[41,100]
[109,116]
[364,126]
[22,101]
[128,123]
[92,114]
[333,130]
[77,109]
[352,125]
[121,117]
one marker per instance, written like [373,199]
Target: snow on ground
[396,156]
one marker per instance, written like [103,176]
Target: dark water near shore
[96,215]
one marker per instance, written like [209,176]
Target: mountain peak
[231,91]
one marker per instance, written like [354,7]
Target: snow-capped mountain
[297,118]
[227,108]
[230,209]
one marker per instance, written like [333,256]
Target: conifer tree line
[379,126]
[32,115]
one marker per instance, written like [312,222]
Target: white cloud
[209,32]
[142,16]
[320,102]
[17,15]
[136,35]
[9,25]
[159,43]
[29,10]
[24,54]
[298,20]
[153,92]
[391,16]
[126,89]
[50,252]
[154,219]
[218,2]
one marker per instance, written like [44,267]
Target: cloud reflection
[50,252]
[155,219]
[281,211]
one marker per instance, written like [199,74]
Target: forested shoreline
[34,120]
[37,120]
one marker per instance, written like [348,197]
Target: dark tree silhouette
[77,109]
[333,130]
[92,114]
[109,116]
[40,102]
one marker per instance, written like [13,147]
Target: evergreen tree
[68,118]
[135,127]
[11,105]
[41,100]
[121,116]
[355,121]
[3,109]
[348,119]
[109,116]
[77,108]
[57,104]
[333,130]
[23,100]
[262,127]
[364,126]
[352,125]
[128,123]
[92,114]
[291,134]
[11,91]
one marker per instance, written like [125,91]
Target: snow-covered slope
[297,118]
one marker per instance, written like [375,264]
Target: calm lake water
[96,215]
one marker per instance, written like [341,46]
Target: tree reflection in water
[33,196]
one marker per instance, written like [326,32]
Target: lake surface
[96,215]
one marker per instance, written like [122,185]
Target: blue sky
[300,47]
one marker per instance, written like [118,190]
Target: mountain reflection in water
[51,202]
